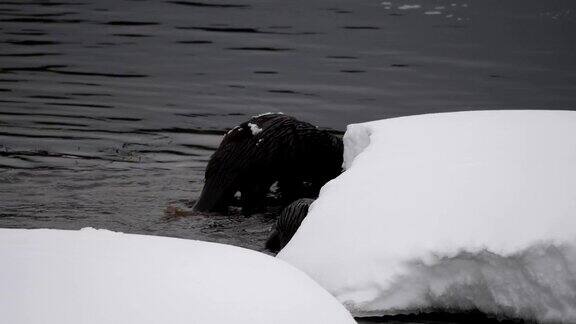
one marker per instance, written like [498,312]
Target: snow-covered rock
[452,211]
[98,276]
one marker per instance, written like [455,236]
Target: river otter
[266,149]
[288,223]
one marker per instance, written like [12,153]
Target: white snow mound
[98,276]
[454,211]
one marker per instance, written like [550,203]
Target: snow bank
[453,211]
[97,276]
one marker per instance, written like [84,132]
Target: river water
[110,109]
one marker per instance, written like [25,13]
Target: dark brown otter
[267,149]
[288,223]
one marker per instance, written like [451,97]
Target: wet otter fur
[288,223]
[266,149]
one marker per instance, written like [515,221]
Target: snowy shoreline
[452,212]
[99,276]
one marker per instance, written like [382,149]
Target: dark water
[109,109]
